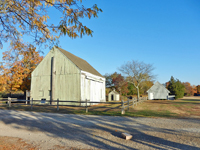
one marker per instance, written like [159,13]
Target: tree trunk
[138,94]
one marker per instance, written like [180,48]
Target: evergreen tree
[176,88]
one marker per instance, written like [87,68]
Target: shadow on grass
[93,111]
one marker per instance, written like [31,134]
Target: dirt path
[31,130]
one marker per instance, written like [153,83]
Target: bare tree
[136,72]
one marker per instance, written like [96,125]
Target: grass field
[181,108]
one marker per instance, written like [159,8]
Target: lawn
[181,108]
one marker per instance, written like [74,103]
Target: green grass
[52,109]
[151,113]
[177,105]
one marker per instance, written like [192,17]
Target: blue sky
[165,33]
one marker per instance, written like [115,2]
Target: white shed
[64,76]
[158,91]
[113,96]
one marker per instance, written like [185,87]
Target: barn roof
[80,63]
[156,86]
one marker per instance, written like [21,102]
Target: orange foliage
[188,89]
[194,88]
[198,89]
[17,68]
[30,18]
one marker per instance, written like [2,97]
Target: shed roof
[80,63]
[158,85]
[113,92]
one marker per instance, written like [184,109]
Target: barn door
[150,96]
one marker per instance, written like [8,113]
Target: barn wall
[66,81]
[40,79]
[92,87]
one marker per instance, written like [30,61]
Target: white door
[150,96]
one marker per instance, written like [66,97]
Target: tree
[108,80]
[188,89]
[194,87]
[176,88]
[132,89]
[198,89]
[136,72]
[17,68]
[30,17]
[145,86]
[120,84]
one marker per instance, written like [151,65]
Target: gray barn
[64,76]
[158,91]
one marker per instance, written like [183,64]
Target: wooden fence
[132,102]
[124,104]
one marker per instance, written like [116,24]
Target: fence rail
[124,104]
[128,103]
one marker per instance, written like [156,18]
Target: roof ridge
[79,62]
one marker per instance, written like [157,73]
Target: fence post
[86,108]
[123,110]
[31,103]
[133,102]
[9,102]
[57,104]
[128,104]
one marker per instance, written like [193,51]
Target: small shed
[113,96]
[158,91]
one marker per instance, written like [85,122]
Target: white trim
[93,77]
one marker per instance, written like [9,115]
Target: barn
[158,91]
[64,76]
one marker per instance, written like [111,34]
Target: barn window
[43,100]
[41,93]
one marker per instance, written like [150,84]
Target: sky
[165,33]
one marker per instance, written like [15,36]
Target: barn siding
[92,87]
[40,79]
[67,78]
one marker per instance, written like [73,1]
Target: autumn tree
[145,86]
[21,18]
[188,89]
[17,67]
[120,84]
[198,89]
[136,72]
[194,87]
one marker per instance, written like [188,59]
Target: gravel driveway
[65,131]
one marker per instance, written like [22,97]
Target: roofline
[68,58]
[160,84]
